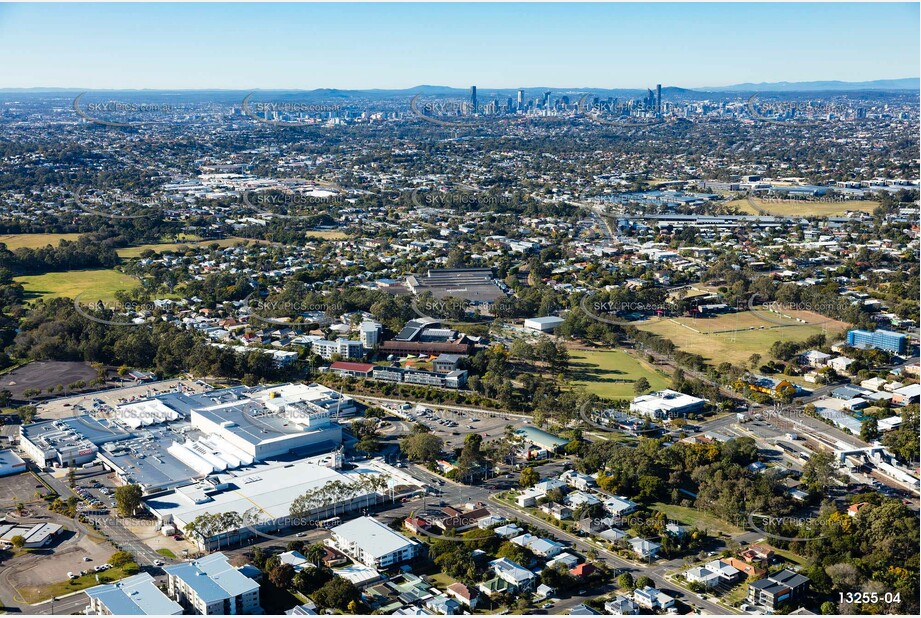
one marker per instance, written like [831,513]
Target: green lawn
[611,373]
[166,552]
[694,518]
[133,252]
[441,580]
[735,337]
[34,241]
[92,284]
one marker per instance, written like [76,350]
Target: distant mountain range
[908,83]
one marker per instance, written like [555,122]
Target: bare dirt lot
[48,566]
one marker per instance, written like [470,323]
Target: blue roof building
[210,585]
[133,596]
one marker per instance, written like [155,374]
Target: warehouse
[11,463]
[66,441]
[264,492]
[475,285]
[543,325]
[35,535]
[667,404]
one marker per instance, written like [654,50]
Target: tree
[18,541]
[819,471]
[281,576]
[121,558]
[641,386]
[513,552]
[424,447]
[337,593]
[128,499]
[828,608]
[365,431]
[26,413]
[625,581]
[529,477]
[310,579]
[869,430]
[643,581]
[471,456]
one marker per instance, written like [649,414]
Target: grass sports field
[611,373]
[802,208]
[34,241]
[93,284]
[133,252]
[735,337]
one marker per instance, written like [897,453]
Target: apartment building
[211,586]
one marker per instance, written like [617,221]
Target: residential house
[516,576]
[651,598]
[647,550]
[784,586]
[621,606]
[466,595]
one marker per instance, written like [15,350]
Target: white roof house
[580,498]
[702,575]
[513,573]
[723,569]
[619,506]
[644,548]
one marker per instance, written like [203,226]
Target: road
[465,409]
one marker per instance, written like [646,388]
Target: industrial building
[35,535]
[543,325]
[11,463]
[667,404]
[476,285]
[373,544]
[263,494]
[211,586]
[222,430]
[69,441]
[137,595]
[542,439]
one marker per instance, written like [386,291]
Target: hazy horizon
[400,46]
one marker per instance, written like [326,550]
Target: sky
[358,46]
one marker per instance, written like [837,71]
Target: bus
[332,522]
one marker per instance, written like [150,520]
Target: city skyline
[398,46]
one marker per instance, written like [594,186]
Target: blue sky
[308,46]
